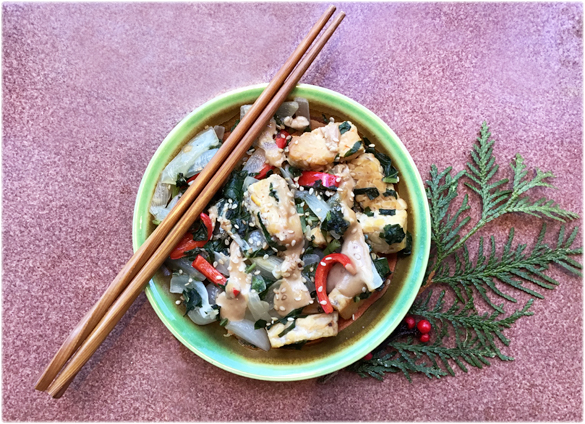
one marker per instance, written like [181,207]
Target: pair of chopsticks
[95,326]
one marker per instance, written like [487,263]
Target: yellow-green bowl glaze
[359,338]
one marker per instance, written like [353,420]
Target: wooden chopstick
[127,297]
[90,320]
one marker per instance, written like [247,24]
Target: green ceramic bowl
[359,338]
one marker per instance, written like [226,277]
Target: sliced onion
[184,264]
[257,307]
[318,206]
[303,107]
[201,143]
[244,109]
[287,109]
[248,181]
[212,292]
[222,267]
[270,268]
[162,195]
[204,314]
[311,258]
[160,212]
[256,240]
[178,283]
[377,280]
[256,162]
[200,163]
[219,131]
[244,329]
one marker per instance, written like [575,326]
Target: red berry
[368,357]
[410,322]
[425,338]
[424,326]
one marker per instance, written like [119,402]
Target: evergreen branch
[512,267]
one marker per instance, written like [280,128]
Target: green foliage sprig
[461,335]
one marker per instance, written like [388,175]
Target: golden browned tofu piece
[367,172]
[374,225]
[310,328]
[347,140]
[313,150]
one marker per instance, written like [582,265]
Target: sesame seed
[358,257]
[322,263]
[311,269]
[354,231]
[180,272]
[229,268]
[290,319]
[277,297]
[218,277]
[178,302]
[338,179]
[284,297]
[289,194]
[291,231]
[215,264]
[257,272]
[372,145]
[265,257]
[227,242]
[190,280]
[221,261]
[353,317]
[328,258]
[311,302]
[230,200]
[301,188]
[311,190]
[292,243]
[296,142]
[320,289]
[318,210]
[323,302]
[282,308]
[363,289]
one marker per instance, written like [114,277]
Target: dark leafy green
[371,192]
[392,233]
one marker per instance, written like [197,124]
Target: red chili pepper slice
[192,178]
[309,178]
[322,272]
[280,139]
[187,243]
[263,172]
[212,274]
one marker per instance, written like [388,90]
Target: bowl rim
[413,277]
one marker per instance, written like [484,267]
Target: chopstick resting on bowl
[101,319]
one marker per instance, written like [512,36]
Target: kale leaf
[382,267]
[390,173]
[192,300]
[345,127]
[335,222]
[354,149]
[387,212]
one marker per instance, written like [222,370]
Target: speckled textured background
[89,92]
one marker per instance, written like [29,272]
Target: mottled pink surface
[89,92]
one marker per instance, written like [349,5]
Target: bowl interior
[359,338]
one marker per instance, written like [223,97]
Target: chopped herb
[408,248]
[258,284]
[325,119]
[199,231]
[260,324]
[371,192]
[294,172]
[344,127]
[224,322]
[268,237]
[335,222]
[273,193]
[287,329]
[361,296]
[301,213]
[390,192]
[278,121]
[332,247]
[382,267]
[251,268]
[181,181]
[390,173]
[368,211]
[308,129]
[191,300]
[390,212]
[392,233]
[156,221]
[354,149]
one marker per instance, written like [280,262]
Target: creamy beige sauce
[292,294]
[274,155]
[234,307]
